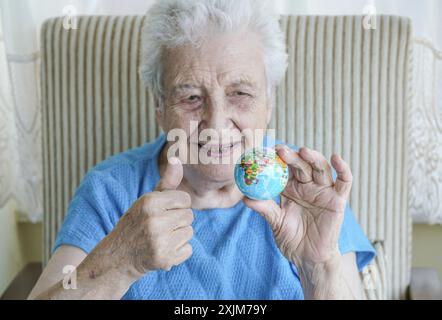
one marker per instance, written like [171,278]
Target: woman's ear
[159,112]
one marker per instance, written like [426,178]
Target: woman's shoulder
[127,169]
[130,159]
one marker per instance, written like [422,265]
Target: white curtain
[425,171]
[20,130]
[20,156]
[20,147]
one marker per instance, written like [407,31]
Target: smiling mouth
[217,150]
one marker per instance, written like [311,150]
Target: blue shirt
[234,253]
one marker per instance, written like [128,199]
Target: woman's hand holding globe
[307,224]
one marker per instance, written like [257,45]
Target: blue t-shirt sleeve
[93,212]
[353,239]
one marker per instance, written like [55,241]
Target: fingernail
[283,148]
[306,151]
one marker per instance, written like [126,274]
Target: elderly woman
[144,225]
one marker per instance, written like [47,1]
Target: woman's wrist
[102,282]
[324,280]
[107,262]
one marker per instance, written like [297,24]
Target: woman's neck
[209,196]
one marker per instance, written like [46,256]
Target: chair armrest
[425,284]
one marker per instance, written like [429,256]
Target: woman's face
[215,94]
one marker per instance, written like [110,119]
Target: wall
[20,244]
[427,250]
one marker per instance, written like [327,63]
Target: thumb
[172,177]
[268,209]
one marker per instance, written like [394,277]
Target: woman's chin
[221,173]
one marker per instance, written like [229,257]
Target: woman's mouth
[215,150]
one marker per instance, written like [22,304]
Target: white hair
[172,23]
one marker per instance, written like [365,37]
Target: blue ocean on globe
[261,174]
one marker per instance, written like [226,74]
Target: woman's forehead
[234,74]
[233,78]
[229,58]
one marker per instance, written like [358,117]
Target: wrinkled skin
[154,233]
[308,222]
[221,86]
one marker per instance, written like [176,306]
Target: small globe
[261,174]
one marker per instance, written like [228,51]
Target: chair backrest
[347,90]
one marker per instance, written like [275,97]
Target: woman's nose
[216,115]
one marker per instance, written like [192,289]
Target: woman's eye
[239,94]
[193,99]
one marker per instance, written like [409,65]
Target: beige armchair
[347,90]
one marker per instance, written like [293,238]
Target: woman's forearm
[97,277]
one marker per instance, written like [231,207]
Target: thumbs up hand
[155,232]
